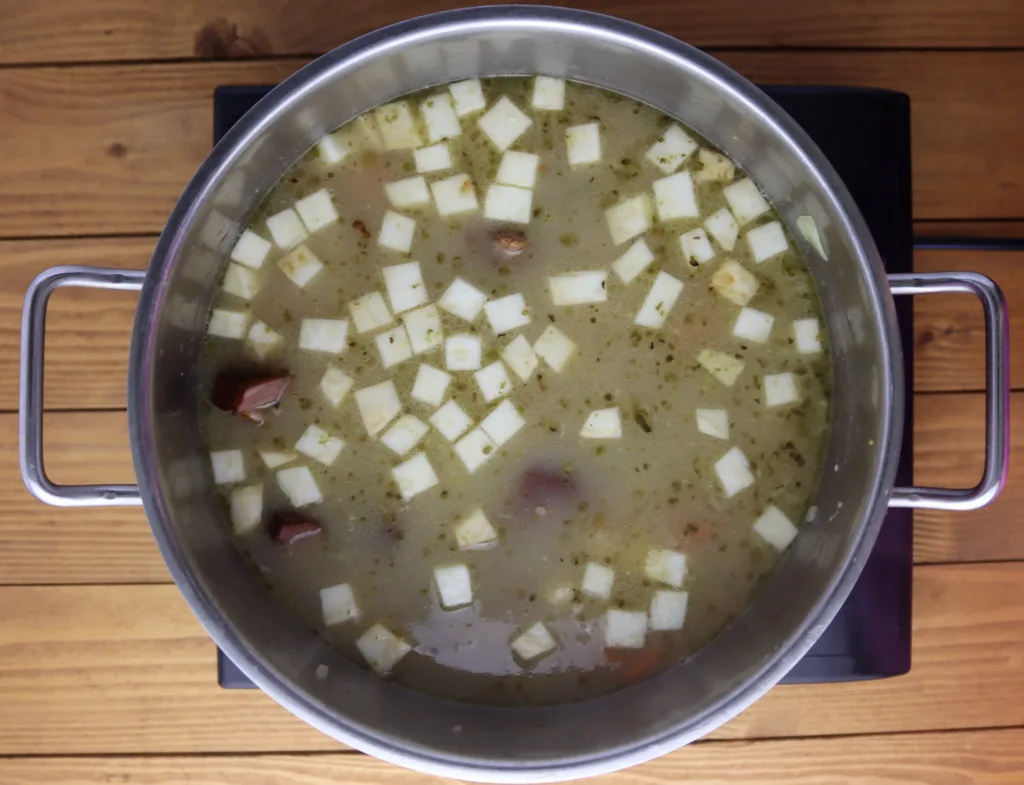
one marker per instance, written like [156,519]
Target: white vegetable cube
[733,470]
[241,282]
[454,195]
[317,210]
[555,348]
[722,366]
[410,192]
[475,449]
[534,643]
[299,486]
[435,158]
[365,133]
[431,385]
[451,421]
[320,445]
[274,458]
[753,325]
[323,335]
[503,422]
[665,566]
[713,422]
[397,126]
[440,118]
[378,405]
[696,246]
[602,424]
[301,265]
[625,629]
[745,201]
[332,150]
[462,299]
[767,241]
[504,122]
[668,610]
[250,250]
[462,352]
[475,531]
[396,232]
[807,335]
[493,381]
[723,227]
[404,435]
[338,604]
[659,301]
[414,476]
[454,586]
[598,580]
[583,144]
[405,286]
[520,357]
[548,93]
[246,508]
[508,203]
[286,228]
[335,385]
[468,96]
[393,346]
[734,282]
[715,168]
[262,340]
[775,528]
[579,288]
[370,312]
[382,649]
[809,229]
[519,169]
[671,150]
[629,218]
[227,324]
[507,313]
[674,197]
[780,389]
[633,262]
[424,328]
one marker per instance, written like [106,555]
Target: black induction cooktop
[865,133]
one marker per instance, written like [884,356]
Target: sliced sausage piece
[289,527]
[249,396]
[510,242]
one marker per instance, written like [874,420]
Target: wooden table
[105,111]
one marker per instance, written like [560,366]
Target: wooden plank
[105,669]
[123,140]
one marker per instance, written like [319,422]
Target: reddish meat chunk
[545,487]
[510,242]
[248,396]
[289,527]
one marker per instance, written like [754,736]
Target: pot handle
[30,409]
[997,391]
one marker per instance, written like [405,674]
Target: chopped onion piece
[370,312]
[753,325]
[674,197]
[338,604]
[451,421]
[671,150]
[462,299]
[807,335]
[520,357]
[555,348]
[246,508]
[493,381]
[424,328]
[378,405]
[809,229]
[666,566]
[393,346]
[301,265]
[745,201]
[274,458]
[335,385]
[659,301]
[578,288]
[519,169]
[468,96]
[382,649]
[603,424]
[508,203]
[404,435]
[410,192]
[722,366]
[299,486]
[475,449]
[440,117]
[397,126]
[320,445]
[668,610]
[629,218]
[625,629]
[734,282]
[435,158]
[696,246]
[462,352]
[715,168]
[780,389]
[775,528]
[723,227]
[475,532]
[317,210]
[598,580]
[733,470]
[507,313]
[286,229]
[583,144]
[414,476]
[396,232]
[504,122]
[431,385]
[227,324]
[241,282]
[324,335]
[405,286]
[454,586]
[250,250]
[767,241]
[262,340]
[713,422]
[633,262]
[534,643]
[503,422]
[548,93]
[454,195]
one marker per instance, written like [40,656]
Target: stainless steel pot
[472,742]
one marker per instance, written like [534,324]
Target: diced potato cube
[274,458]
[745,201]
[382,649]
[503,422]
[668,610]
[767,241]
[671,150]
[520,357]
[250,250]
[625,629]
[424,328]
[335,385]
[333,150]
[431,385]
[262,340]
[454,195]
[807,335]
[370,312]
[338,604]
[713,422]
[435,158]
[440,118]
[299,486]
[504,122]
[468,96]
[633,262]
[753,325]
[660,300]
[454,586]
[696,246]
[397,126]
[508,203]
[629,218]
[462,352]
[722,366]
[534,643]
[507,313]
[598,580]
[393,346]
[317,210]
[723,227]
[583,144]
[519,169]
[666,566]
[451,421]
[548,93]
[578,288]
[241,282]
[410,192]
[475,449]
[603,424]
[462,299]
[405,286]
[733,470]
[493,381]
[809,229]
[396,232]
[674,197]
[301,265]
[780,389]
[734,282]
[715,168]
[414,476]
[227,324]
[324,335]
[475,532]
[378,405]
[246,508]
[286,229]
[775,528]
[404,435]
[555,348]
[320,445]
